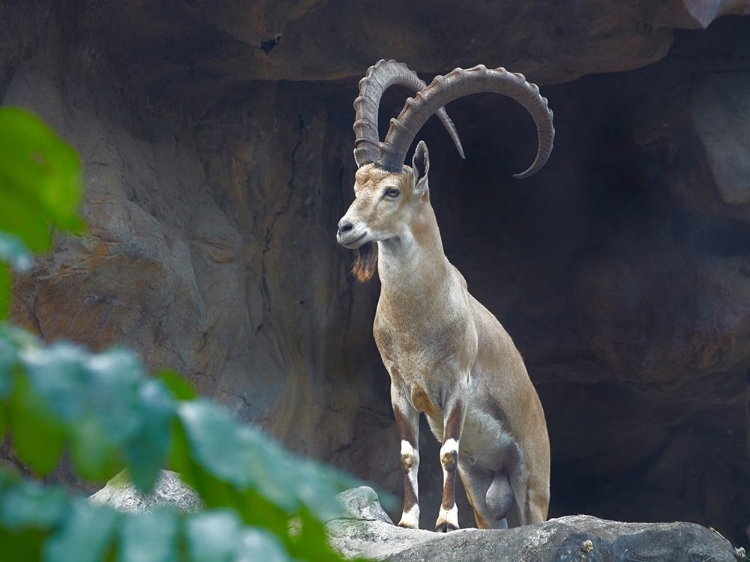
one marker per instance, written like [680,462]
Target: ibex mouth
[352,241]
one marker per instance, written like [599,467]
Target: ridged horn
[457,84]
[379,77]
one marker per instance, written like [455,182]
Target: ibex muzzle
[448,357]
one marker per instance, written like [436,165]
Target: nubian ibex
[448,356]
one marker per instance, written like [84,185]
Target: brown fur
[365,262]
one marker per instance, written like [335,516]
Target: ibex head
[384,202]
[386,190]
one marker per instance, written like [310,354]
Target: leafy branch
[104,410]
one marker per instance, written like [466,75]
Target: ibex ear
[420,165]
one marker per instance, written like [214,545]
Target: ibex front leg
[407,420]
[453,426]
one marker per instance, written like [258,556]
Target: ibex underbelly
[486,441]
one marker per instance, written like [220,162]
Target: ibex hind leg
[529,487]
[532,498]
[490,496]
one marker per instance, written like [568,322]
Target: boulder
[364,533]
[169,491]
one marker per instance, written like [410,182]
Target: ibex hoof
[407,525]
[444,527]
[447,519]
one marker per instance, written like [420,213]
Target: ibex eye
[392,192]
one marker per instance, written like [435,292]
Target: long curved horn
[457,84]
[381,76]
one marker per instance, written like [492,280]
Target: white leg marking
[449,450]
[449,516]
[410,459]
[448,458]
[450,446]
[410,519]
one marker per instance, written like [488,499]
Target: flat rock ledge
[366,530]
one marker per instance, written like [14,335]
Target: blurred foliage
[261,502]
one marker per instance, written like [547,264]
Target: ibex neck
[414,261]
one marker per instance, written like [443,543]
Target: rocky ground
[364,530]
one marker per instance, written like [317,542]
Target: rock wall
[209,247]
[216,142]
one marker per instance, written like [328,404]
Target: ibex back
[447,355]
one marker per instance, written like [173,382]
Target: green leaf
[256,544]
[256,509]
[84,537]
[30,504]
[8,476]
[215,441]
[244,457]
[148,451]
[311,543]
[290,481]
[3,422]
[23,545]
[8,360]
[178,386]
[211,536]
[19,338]
[5,285]
[14,252]
[93,453]
[39,175]
[115,377]
[179,453]
[38,435]
[56,374]
[317,486]
[271,470]
[149,537]
[27,513]
[214,492]
[23,219]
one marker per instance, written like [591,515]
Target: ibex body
[448,357]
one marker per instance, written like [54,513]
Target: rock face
[203,45]
[217,161]
[365,533]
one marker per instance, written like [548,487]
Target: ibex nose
[344,226]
